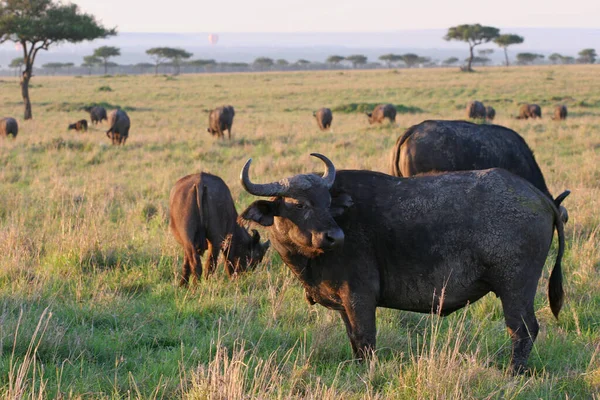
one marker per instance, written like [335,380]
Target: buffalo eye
[299,206]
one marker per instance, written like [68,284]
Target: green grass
[86,255]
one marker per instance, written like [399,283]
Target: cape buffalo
[475,110]
[490,113]
[220,120]
[443,146]
[381,112]
[119,126]
[203,217]
[79,126]
[358,240]
[9,126]
[323,117]
[560,112]
[97,114]
[532,111]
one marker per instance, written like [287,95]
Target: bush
[105,89]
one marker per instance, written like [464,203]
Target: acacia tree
[506,40]
[161,54]
[282,62]
[17,63]
[474,35]
[450,61]
[53,66]
[38,24]
[89,62]
[528,58]
[335,60]
[158,54]
[357,59]
[389,59]
[106,52]
[263,62]
[411,59]
[587,56]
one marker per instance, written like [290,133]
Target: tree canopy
[281,62]
[263,62]
[411,59]
[334,59]
[106,52]
[38,24]
[390,59]
[161,54]
[474,35]
[506,40]
[528,58]
[450,61]
[357,59]
[587,56]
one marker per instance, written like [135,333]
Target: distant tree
[17,63]
[568,60]
[200,63]
[68,66]
[263,62]
[474,35]
[302,62]
[282,63]
[143,66]
[508,40]
[335,60]
[587,56]
[158,54]
[390,59]
[411,59]
[176,56]
[90,62]
[357,59]
[450,61]
[53,66]
[528,58]
[485,52]
[38,24]
[477,60]
[106,52]
[555,58]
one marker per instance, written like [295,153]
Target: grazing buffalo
[358,240]
[220,120]
[532,111]
[381,112]
[560,112]
[203,216]
[97,114]
[476,110]
[79,126]
[119,126]
[9,126]
[444,146]
[323,117]
[490,113]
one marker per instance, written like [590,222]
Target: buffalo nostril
[335,237]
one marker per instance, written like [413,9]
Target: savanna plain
[89,301]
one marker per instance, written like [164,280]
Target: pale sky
[336,15]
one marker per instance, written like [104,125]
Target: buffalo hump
[9,126]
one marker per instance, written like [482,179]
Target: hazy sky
[336,15]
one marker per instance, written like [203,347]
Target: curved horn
[329,175]
[266,189]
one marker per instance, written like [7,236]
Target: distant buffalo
[203,217]
[445,146]
[476,110]
[490,113]
[79,126]
[381,112]
[220,120]
[8,126]
[560,112]
[119,127]
[532,111]
[97,114]
[323,117]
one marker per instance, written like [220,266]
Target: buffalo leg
[187,267]
[211,260]
[359,317]
[522,327]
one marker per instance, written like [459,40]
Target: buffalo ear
[255,237]
[261,212]
[340,202]
[266,245]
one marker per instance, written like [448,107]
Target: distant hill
[245,47]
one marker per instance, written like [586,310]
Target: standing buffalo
[220,120]
[97,114]
[323,117]
[560,112]
[358,240]
[79,126]
[490,113]
[119,126]
[532,111]
[9,126]
[476,110]
[443,146]
[203,216]
[381,112]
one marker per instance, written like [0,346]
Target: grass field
[89,303]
